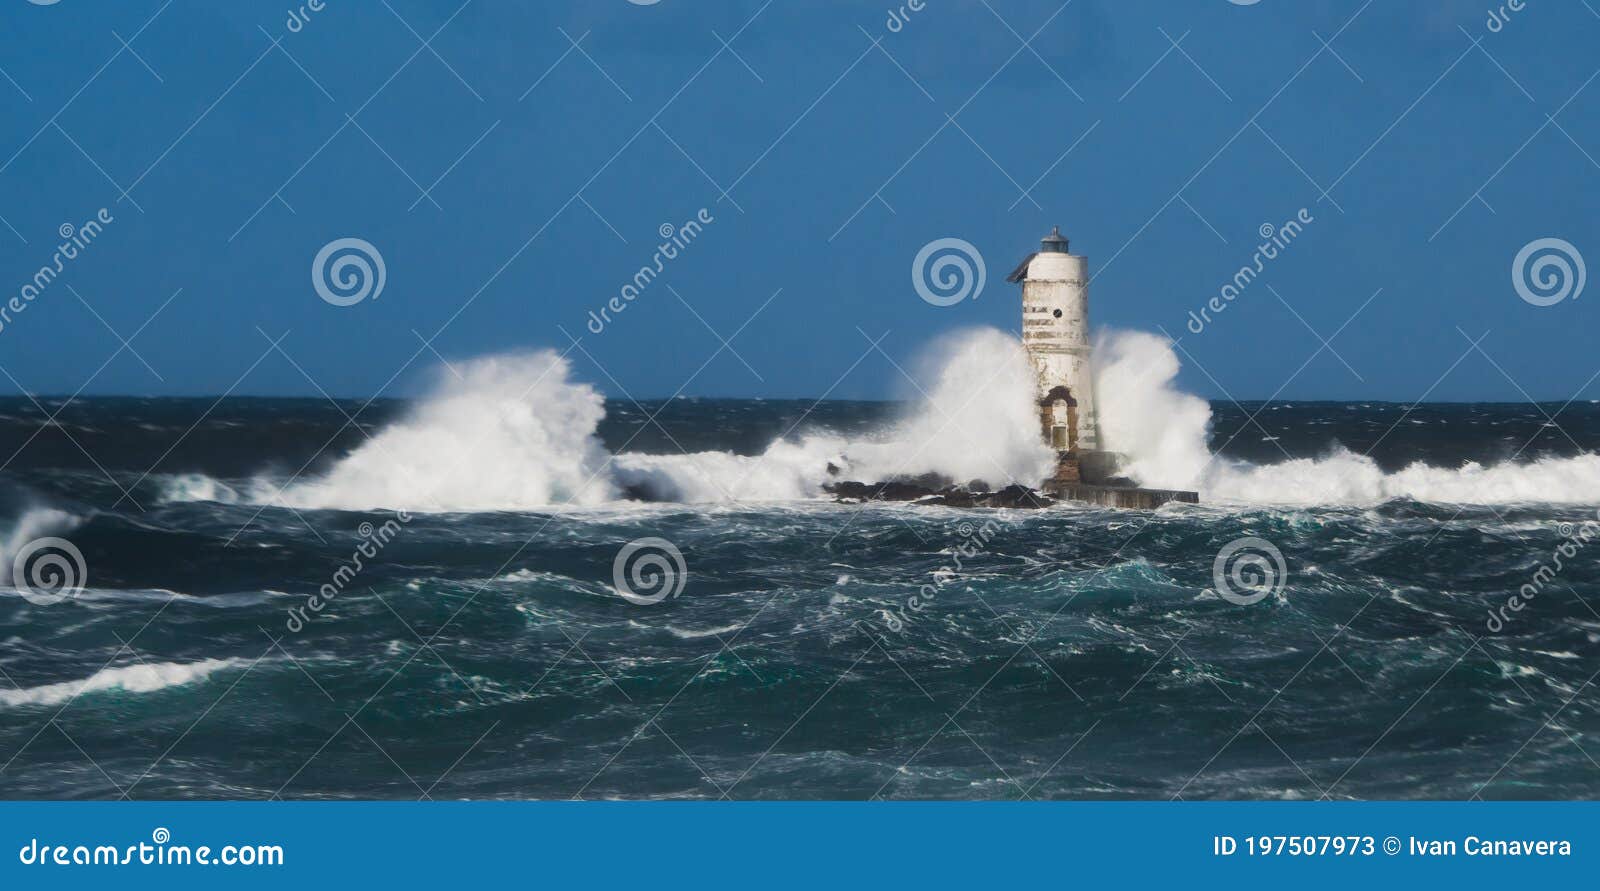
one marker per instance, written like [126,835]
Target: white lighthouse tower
[1055,333]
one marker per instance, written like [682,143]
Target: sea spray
[34,522]
[971,416]
[516,432]
[977,421]
[1164,431]
[503,432]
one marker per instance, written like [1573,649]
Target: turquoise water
[1072,653]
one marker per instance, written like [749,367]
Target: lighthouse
[1055,334]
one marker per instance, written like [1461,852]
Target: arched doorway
[1058,418]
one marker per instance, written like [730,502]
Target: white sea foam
[499,433]
[978,420]
[516,432]
[136,678]
[697,633]
[975,421]
[35,522]
[1164,433]
[788,470]
[1143,414]
[198,487]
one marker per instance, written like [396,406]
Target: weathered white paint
[1055,332]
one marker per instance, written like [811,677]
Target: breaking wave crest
[498,433]
[32,523]
[1165,434]
[517,432]
[136,678]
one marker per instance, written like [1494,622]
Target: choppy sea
[802,648]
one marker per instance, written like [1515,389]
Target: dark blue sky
[549,170]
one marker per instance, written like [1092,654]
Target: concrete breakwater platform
[1119,496]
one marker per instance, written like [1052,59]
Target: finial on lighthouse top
[1054,243]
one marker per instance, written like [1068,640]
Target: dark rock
[933,482]
[894,491]
[1018,496]
[944,495]
[888,491]
[638,492]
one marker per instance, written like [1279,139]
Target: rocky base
[933,489]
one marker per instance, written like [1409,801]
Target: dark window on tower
[1057,313]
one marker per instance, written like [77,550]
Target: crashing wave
[517,432]
[1165,434]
